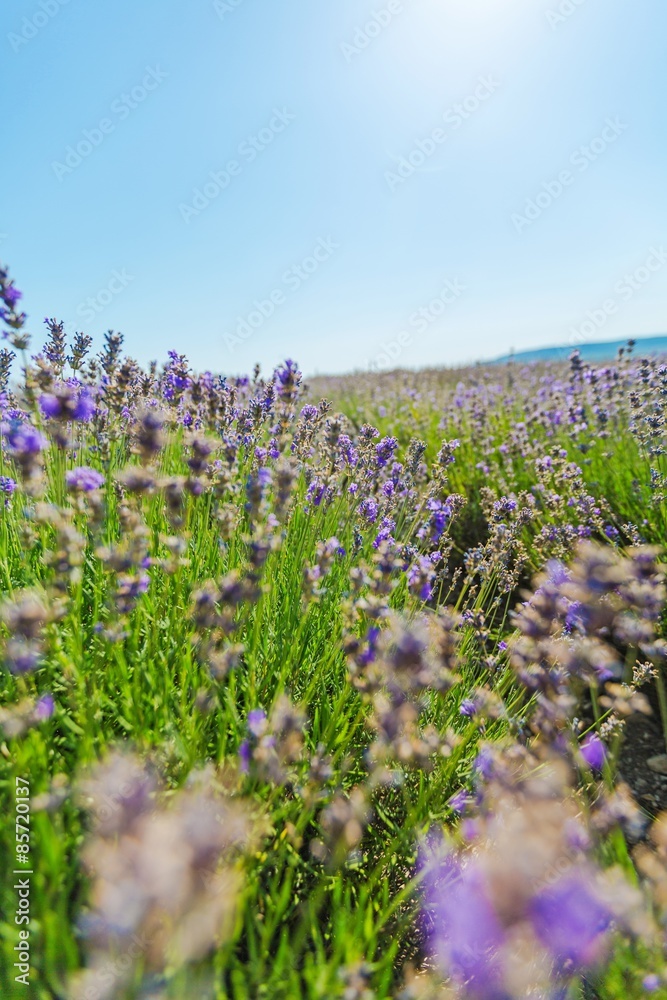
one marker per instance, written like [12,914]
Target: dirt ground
[642,740]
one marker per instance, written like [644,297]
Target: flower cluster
[165,881]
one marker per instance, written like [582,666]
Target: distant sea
[605,351]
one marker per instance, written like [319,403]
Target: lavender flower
[651,983]
[24,442]
[467,935]
[440,516]
[83,479]
[593,751]
[257,722]
[44,708]
[368,508]
[571,921]
[384,451]
[8,487]
[18,719]
[67,403]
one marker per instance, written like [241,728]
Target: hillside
[604,351]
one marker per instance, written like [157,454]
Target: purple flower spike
[66,403]
[44,708]
[467,935]
[571,921]
[83,479]
[594,752]
[484,763]
[257,722]
[468,707]
[459,801]
[85,406]
[651,983]
[49,406]
[7,485]
[245,756]
[23,440]
[369,509]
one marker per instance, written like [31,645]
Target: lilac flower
[594,752]
[83,479]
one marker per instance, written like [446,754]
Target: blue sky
[406,182]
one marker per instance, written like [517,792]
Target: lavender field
[350,687]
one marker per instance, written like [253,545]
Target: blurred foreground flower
[165,873]
[18,719]
[522,908]
[24,618]
[274,744]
